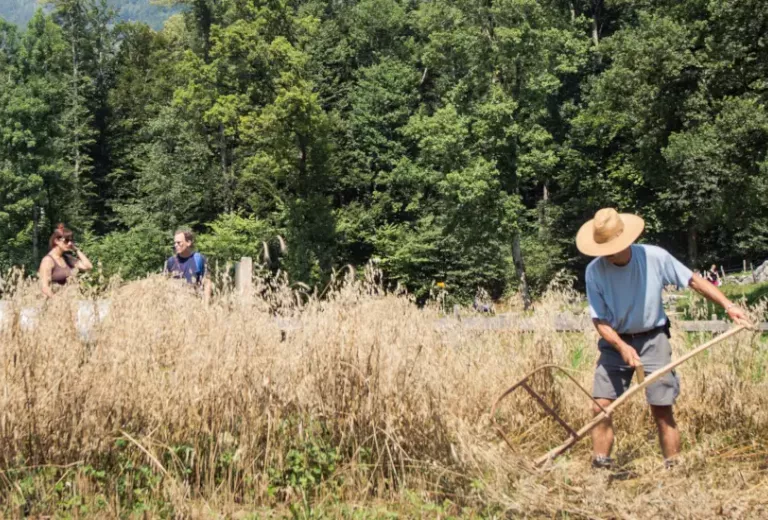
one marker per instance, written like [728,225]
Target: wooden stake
[244,276]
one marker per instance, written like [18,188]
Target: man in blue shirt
[188,263]
[624,285]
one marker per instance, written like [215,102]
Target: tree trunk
[597,4]
[75,127]
[302,156]
[543,207]
[517,257]
[228,188]
[693,247]
[572,8]
[35,233]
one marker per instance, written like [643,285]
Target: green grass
[693,306]
[753,292]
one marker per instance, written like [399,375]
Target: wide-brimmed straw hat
[610,232]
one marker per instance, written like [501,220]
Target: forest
[460,142]
[152,12]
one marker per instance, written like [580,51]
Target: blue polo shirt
[629,297]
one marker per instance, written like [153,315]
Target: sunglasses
[67,240]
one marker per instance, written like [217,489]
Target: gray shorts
[613,376]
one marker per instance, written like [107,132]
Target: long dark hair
[59,232]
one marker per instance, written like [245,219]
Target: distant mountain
[20,11]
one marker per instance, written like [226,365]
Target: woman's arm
[44,273]
[82,264]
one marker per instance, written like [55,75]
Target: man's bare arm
[628,354]
[716,296]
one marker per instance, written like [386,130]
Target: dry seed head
[363,371]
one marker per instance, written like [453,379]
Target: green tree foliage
[456,141]
[658,130]
[153,13]
[31,106]
[232,236]
[133,253]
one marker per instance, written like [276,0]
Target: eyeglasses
[67,240]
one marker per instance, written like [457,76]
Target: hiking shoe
[671,463]
[602,462]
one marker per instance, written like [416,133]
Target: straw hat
[609,233]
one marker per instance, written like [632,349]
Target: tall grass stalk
[178,409]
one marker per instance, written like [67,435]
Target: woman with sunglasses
[63,260]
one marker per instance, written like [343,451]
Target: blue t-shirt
[629,297]
[187,268]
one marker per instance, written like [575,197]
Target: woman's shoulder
[46,265]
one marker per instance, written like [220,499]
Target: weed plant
[282,403]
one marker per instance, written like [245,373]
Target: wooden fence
[89,314]
[566,322]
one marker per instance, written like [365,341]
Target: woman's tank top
[60,274]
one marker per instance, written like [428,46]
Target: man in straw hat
[624,285]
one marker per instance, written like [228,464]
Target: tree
[30,104]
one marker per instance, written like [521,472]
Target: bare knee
[604,403]
[663,415]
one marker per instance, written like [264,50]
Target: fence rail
[566,322]
[89,314]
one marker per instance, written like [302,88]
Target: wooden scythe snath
[574,435]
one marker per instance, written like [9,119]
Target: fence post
[754,276]
[722,272]
[244,276]
[744,270]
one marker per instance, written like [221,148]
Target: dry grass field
[367,410]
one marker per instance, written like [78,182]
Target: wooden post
[754,276]
[244,276]
[744,270]
[722,272]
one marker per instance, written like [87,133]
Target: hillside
[20,11]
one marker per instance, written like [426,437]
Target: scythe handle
[634,390]
[640,374]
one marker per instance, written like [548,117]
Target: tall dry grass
[178,409]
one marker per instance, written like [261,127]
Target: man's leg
[612,378]
[661,395]
[602,434]
[669,435]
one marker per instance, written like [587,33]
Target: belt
[649,332]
